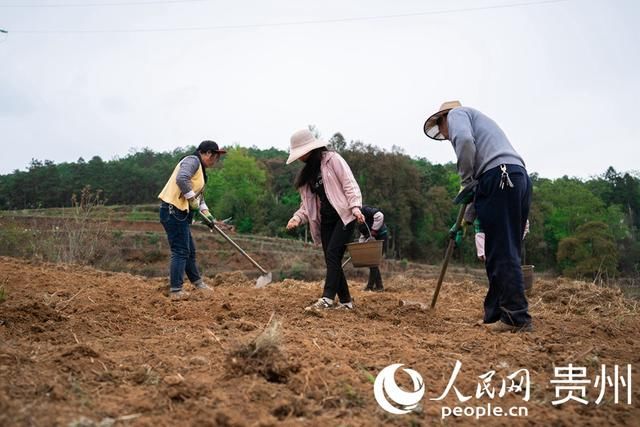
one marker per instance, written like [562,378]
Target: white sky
[559,77]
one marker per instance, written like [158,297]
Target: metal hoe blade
[264,280]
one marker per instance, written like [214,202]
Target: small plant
[14,240]
[263,355]
[2,294]
[298,271]
[152,238]
[154,256]
[351,395]
[81,235]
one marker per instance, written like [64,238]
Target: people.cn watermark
[571,384]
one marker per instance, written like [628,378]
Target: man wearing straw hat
[494,178]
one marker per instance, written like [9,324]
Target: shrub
[81,234]
[590,252]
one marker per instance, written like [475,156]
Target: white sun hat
[303,142]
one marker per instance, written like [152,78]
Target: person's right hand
[194,204]
[293,223]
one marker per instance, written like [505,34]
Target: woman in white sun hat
[331,202]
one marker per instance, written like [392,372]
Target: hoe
[266,276]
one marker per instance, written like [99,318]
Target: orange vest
[171,192]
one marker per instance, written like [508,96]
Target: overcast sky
[560,77]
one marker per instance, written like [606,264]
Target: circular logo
[385,386]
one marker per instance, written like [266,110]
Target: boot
[371,281]
[378,283]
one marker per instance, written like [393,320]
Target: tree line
[581,228]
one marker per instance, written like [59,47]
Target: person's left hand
[358,214]
[465,195]
[456,234]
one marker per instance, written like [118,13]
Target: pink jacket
[342,191]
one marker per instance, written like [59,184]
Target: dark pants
[375,278]
[335,235]
[503,215]
[177,224]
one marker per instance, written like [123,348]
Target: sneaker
[500,327]
[345,306]
[178,296]
[201,285]
[321,304]
[368,288]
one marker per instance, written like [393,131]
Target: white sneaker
[345,306]
[201,285]
[321,304]
[178,296]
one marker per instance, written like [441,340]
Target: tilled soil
[83,347]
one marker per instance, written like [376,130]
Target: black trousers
[375,278]
[335,235]
[503,215]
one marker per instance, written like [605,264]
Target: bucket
[527,274]
[366,254]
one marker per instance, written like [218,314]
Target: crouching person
[181,199]
[331,202]
[374,222]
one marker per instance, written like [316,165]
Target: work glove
[209,219]
[456,234]
[194,204]
[465,195]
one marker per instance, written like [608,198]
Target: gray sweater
[188,168]
[479,143]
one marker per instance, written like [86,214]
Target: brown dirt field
[79,346]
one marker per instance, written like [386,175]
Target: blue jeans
[503,214]
[177,224]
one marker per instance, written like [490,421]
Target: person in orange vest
[181,199]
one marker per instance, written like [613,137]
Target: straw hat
[303,142]
[431,127]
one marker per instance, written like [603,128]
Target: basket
[366,254]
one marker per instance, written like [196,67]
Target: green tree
[238,190]
[590,252]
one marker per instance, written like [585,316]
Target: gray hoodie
[479,143]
